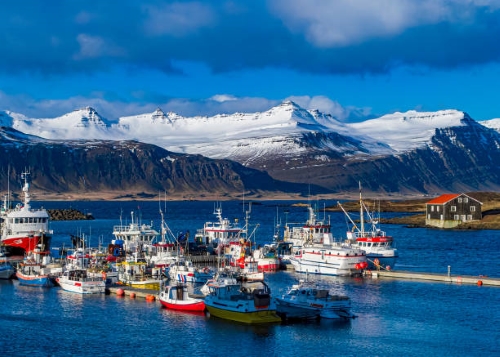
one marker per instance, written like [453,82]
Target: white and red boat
[378,246]
[176,297]
[214,235]
[24,228]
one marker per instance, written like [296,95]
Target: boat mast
[361,211]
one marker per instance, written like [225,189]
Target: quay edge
[456,279]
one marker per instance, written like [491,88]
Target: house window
[469,217]
[460,200]
[466,199]
[437,208]
[432,208]
[456,217]
[453,208]
[473,208]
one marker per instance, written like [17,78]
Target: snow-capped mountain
[412,151]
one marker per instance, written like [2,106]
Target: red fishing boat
[176,297]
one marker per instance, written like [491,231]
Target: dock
[133,292]
[446,278]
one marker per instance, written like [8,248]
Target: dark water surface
[394,318]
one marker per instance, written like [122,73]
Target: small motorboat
[176,297]
[309,301]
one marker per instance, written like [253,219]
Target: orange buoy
[150,298]
[120,292]
[132,295]
[479,282]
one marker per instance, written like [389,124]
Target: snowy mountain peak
[83,117]
[406,131]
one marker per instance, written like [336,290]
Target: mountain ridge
[410,153]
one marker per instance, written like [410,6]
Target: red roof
[443,198]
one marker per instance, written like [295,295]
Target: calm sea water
[394,318]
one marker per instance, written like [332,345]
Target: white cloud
[178,18]
[345,22]
[223,97]
[94,47]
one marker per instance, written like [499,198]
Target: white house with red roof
[451,209]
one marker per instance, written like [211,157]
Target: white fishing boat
[249,303]
[135,237]
[313,231]
[329,259]
[379,247]
[315,251]
[215,234]
[184,271]
[310,301]
[227,274]
[77,280]
[24,228]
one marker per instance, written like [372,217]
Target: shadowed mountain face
[458,159]
[127,167]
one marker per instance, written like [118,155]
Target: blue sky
[353,59]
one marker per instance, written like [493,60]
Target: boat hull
[92,287]
[251,317]
[24,243]
[198,305]
[146,284]
[43,281]
[7,271]
[290,310]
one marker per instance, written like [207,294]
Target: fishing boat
[248,303]
[24,228]
[310,301]
[215,234]
[313,231]
[135,237]
[223,274]
[7,270]
[329,259]
[33,270]
[134,272]
[374,241]
[78,281]
[176,297]
[184,271]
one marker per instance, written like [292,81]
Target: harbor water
[394,317]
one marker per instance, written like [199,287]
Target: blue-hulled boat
[33,270]
[34,274]
[7,271]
